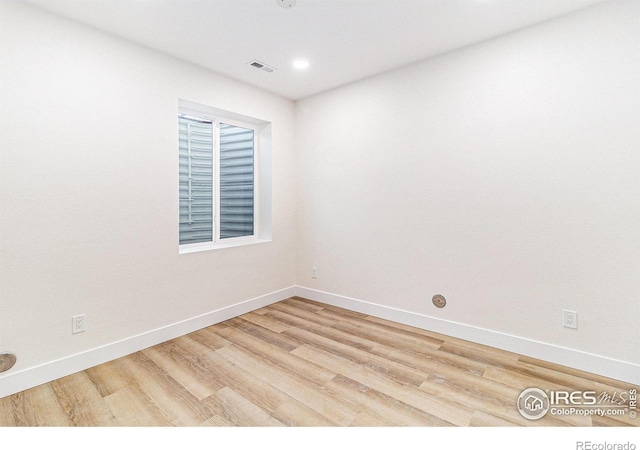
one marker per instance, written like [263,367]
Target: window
[221,179]
[196,180]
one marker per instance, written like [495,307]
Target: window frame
[261,231]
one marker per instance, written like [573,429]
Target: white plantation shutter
[196,180]
[236,181]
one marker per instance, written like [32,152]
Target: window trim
[261,176]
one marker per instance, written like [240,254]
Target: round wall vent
[7,360]
[439,301]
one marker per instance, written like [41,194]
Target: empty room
[330,213]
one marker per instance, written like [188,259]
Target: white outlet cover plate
[570,319]
[78,324]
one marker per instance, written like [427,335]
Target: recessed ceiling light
[301,64]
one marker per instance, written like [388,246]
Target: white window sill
[226,243]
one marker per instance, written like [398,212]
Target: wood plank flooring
[302,363]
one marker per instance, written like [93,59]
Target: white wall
[504,176]
[89,192]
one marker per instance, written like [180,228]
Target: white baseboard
[600,365]
[12,383]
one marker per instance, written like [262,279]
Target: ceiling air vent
[262,66]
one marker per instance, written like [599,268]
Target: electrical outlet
[570,319]
[78,323]
[314,272]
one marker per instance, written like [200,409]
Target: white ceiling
[344,40]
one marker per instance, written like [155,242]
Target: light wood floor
[302,363]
